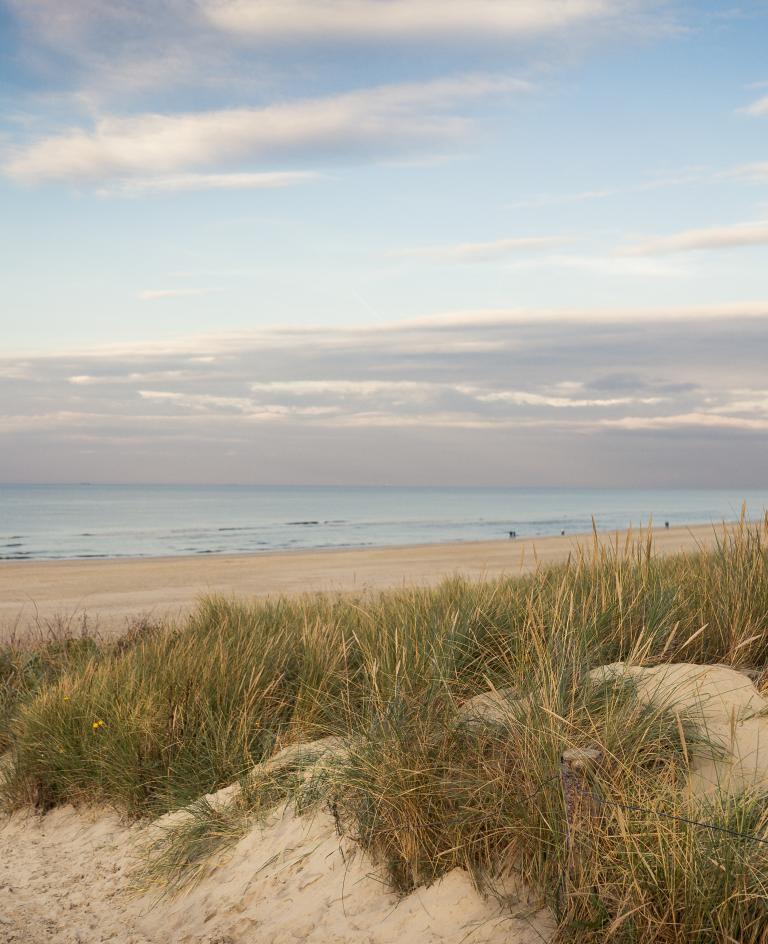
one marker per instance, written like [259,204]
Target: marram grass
[154,724]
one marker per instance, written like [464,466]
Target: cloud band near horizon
[451,377]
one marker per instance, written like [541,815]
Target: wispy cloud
[384,118]
[480,252]
[757,171]
[342,388]
[175,183]
[560,199]
[212,405]
[404,390]
[526,398]
[690,420]
[133,378]
[464,332]
[613,264]
[757,403]
[758,108]
[716,237]
[387,20]
[679,314]
[688,175]
[302,399]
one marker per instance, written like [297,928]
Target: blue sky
[378,240]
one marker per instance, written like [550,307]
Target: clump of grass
[181,712]
[649,871]
[30,664]
[179,852]
[425,794]
[182,845]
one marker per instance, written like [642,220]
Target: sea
[51,522]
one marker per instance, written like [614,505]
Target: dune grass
[30,665]
[154,725]
[181,846]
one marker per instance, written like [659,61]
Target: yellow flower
[97,724]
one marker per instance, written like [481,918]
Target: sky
[456,242]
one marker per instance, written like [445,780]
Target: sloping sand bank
[113,592]
[725,706]
[63,878]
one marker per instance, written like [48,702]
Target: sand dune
[112,593]
[64,876]
[726,707]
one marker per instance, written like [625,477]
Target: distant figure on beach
[563,532]
[513,534]
[666,524]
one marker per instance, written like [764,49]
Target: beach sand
[66,876]
[110,594]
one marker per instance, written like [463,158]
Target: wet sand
[110,594]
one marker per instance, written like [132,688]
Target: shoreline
[110,593]
[579,536]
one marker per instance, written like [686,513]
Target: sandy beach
[110,594]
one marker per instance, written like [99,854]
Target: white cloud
[746,401]
[716,237]
[343,388]
[450,332]
[387,20]
[479,252]
[758,108]
[612,265]
[199,401]
[15,372]
[500,317]
[439,420]
[403,390]
[175,183]
[681,420]
[756,171]
[249,409]
[88,380]
[523,398]
[81,380]
[147,145]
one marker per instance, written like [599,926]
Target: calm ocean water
[80,521]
